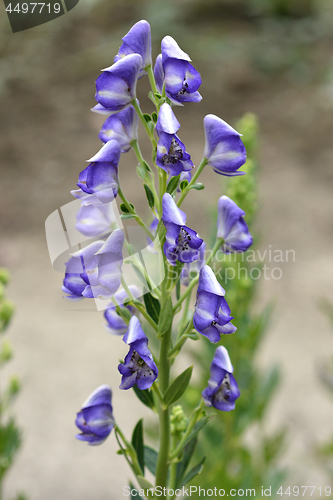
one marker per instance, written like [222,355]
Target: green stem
[129,447]
[194,178]
[150,133]
[137,217]
[138,307]
[181,341]
[173,466]
[151,77]
[141,160]
[191,424]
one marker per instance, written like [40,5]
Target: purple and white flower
[182,243]
[171,153]
[224,149]
[173,69]
[100,178]
[211,316]
[222,390]
[137,41]
[139,367]
[232,227]
[116,86]
[96,220]
[115,323]
[95,420]
[121,127]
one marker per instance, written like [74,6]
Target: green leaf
[146,397]
[147,117]
[197,186]
[158,95]
[146,166]
[178,387]
[127,216]
[172,184]
[142,173]
[166,316]
[124,313]
[193,472]
[178,289]
[151,459]
[123,208]
[137,442]
[183,184]
[198,426]
[187,455]
[154,116]
[150,196]
[152,305]
[145,485]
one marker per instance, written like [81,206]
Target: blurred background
[273,58]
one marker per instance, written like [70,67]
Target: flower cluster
[95,271]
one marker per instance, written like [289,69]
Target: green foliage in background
[10,435]
[232,462]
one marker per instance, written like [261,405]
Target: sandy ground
[62,353]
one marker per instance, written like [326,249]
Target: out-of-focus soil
[47,132]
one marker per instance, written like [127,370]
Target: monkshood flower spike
[222,390]
[224,149]
[232,227]
[139,367]
[121,127]
[116,86]
[95,420]
[212,314]
[171,153]
[116,325]
[137,41]
[100,178]
[181,242]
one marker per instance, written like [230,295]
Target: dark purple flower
[190,270]
[171,153]
[232,227]
[222,390]
[173,68]
[116,86]
[182,243]
[139,367]
[212,314]
[100,178]
[137,41]
[115,323]
[224,149]
[99,266]
[121,127]
[95,220]
[95,420]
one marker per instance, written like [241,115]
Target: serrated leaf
[172,184]
[127,216]
[146,397]
[166,316]
[193,472]
[183,184]
[147,117]
[198,186]
[144,483]
[178,387]
[151,459]
[153,306]
[150,196]
[137,442]
[187,455]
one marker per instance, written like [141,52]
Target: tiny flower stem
[135,466]
[150,132]
[151,77]
[157,391]
[131,211]
[138,154]
[181,341]
[193,420]
[194,178]
[138,307]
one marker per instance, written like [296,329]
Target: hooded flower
[182,243]
[224,149]
[116,86]
[232,227]
[190,270]
[121,127]
[115,323]
[139,367]
[212,314]
[137,41]
[100,178]
[95,420]
[171,153]
[96,220]
[173,68]
[73,284]
[222,390]
[99,266]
